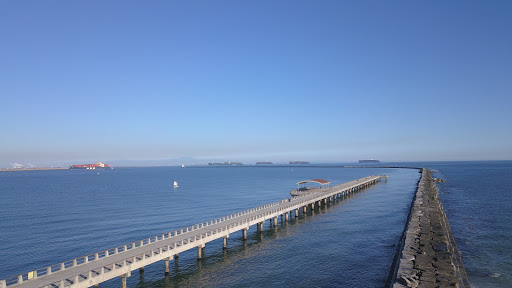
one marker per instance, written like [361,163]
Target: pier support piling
[244,234]
[260,226]
[225,242]
[166,263]
[123,279]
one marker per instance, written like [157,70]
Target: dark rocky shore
[429,256]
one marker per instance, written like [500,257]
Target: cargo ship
[298,162]
[97,166]
[369,161]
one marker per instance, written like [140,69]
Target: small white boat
[182,165]
[176,184]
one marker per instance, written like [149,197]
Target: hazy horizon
[189,161]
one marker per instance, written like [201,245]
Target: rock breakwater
[429,256]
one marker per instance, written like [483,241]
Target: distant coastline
[31,169]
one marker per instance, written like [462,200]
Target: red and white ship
[97,166]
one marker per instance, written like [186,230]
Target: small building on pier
[303,188]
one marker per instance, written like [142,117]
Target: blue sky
[320,81]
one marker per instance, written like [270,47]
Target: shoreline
[31,169]
[428,255]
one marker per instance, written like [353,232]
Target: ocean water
[51,216]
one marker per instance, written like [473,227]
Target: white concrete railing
[127,247]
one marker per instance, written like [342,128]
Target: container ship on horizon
[97,166]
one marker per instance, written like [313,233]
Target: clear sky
[255,80]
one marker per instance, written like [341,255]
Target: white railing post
[62,267]
[20,279]
[49,270]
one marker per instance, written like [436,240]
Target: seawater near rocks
[429,256]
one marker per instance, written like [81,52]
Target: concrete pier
[429,256]
[95,268]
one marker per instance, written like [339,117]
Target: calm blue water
[51,216]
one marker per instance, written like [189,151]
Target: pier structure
[93,269]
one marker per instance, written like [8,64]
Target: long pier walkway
[92,269]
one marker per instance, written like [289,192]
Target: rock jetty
[429,256]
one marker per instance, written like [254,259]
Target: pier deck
[98,267]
